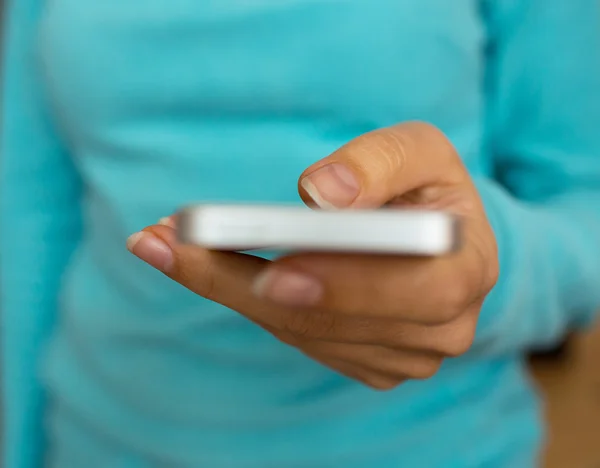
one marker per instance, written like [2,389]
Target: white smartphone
[296,228]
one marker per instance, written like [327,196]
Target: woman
[117,113]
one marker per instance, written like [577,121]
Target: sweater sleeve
[543,91]
[39,227]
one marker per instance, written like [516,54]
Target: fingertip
[168,221]
[314,197]
[132,240]
[152,249]
[332,186]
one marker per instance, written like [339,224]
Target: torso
[165,102]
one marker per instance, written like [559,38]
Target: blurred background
[569,378]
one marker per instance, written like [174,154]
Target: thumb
[383,165]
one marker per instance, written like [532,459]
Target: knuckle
[411,365]
[459,342]
[394,149]
[457,347]
[388,148]
[454,299]
[395,334]
[425,369]
[299,325]
[445,313]
[429,130]
[457,295]
[493,274]
[445,154]
[432,133]
[380,382]
[487,264]
[286,338]
[310,325]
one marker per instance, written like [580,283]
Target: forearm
[549,269]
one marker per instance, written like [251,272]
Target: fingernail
[332,186]
[288,288]
[167,221]
[151,249]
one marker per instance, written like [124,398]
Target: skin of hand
[377,319]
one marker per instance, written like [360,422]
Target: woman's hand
[377,319]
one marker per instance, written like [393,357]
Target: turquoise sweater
[115,113]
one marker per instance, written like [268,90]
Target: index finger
[222,277]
